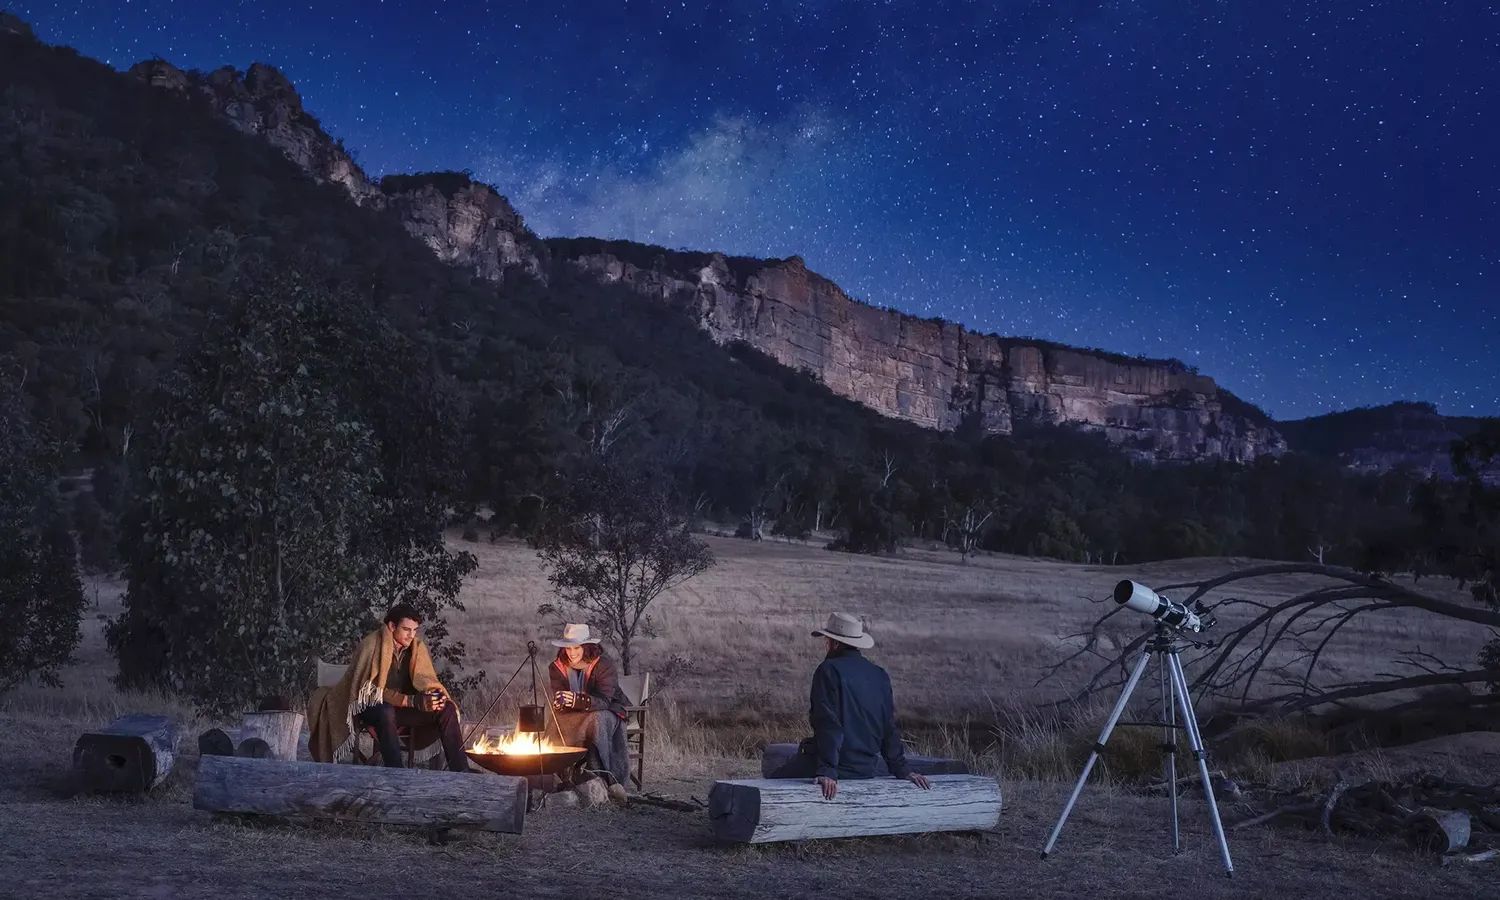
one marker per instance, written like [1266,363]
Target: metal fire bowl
[523,764]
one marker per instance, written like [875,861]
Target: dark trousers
[385,719]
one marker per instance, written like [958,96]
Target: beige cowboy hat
[846,629]
[575,636]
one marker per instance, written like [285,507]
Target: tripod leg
[1109,726]
[1169,715]
[1190,725]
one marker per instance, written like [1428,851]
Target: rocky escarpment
[926,371]
[935,373]
[469,225]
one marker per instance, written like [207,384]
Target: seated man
[389,683]
[853,715]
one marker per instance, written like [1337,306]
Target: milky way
[1299,198]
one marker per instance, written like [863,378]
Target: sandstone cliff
[926,371]
[469,225]
[935,373]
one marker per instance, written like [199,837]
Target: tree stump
[133,754]
[774,756]
[216,742]
[784,809]
[375,794]
[254,748]
[279,729]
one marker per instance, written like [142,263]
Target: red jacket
[601,686]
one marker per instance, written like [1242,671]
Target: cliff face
[929,372]
[473,227]
[938,374]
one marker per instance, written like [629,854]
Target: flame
[515,744]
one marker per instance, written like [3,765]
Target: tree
[269,528]
[614,543]
[41,599]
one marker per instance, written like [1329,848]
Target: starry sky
[1300,198]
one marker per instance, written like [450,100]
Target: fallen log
[279,729]
[1439,830]
[774,756]
[374,794]
[783,809]
[133,754]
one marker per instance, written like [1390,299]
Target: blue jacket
[854,718]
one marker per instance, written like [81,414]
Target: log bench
[774,756]
[133,754]
[375,794]
[761,810]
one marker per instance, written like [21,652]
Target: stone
[593,793]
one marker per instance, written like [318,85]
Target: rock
[563,800]
[593,793]
[938,374]
[473,227]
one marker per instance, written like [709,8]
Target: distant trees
[41,599]
[271,521]
[612,543]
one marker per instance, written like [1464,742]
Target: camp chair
[328,676]
[637,690]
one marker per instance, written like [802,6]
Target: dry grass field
[961,641]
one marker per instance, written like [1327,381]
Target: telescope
[1167,612]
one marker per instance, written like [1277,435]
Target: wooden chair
[328,676]
[637,690]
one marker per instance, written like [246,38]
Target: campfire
[527,750]
[516,744]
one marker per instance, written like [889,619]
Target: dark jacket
[854,718]
[601,686]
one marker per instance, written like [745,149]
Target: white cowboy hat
[575,636]
[846,629]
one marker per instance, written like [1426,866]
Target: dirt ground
[1113,846]
[997,617]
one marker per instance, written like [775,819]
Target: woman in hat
[590,707]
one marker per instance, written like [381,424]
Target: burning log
[374,794]
[132,755]
[785,809]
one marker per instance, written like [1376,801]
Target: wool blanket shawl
[331,711]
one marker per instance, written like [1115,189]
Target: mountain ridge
[933,373]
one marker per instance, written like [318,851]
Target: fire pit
[524,754]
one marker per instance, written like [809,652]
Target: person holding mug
[589,707]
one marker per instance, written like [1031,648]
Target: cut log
[783,809]
[376,794]
[254,748]
[279,729]
[774,756]
[216,742]
[1439,830]
[133,754]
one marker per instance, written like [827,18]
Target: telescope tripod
[1174,687]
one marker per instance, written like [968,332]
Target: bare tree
[1270,659]
[613,543]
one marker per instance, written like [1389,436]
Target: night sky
[1301,198]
